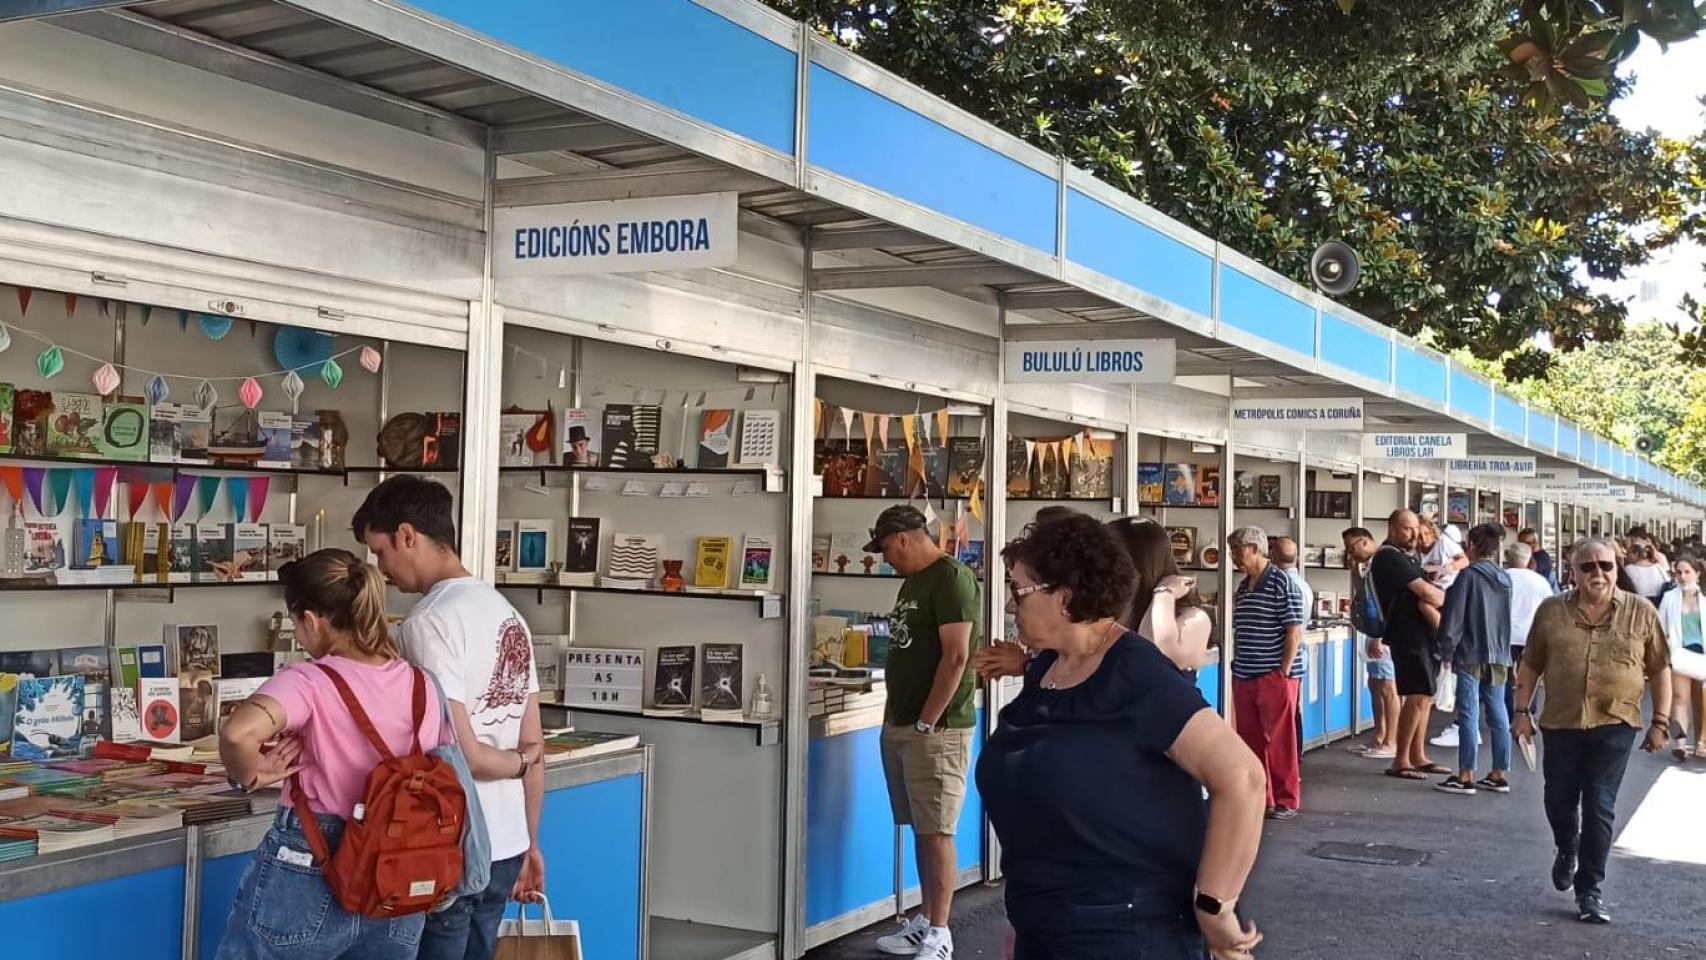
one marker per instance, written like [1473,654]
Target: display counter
[850,832]
[1328,697]
[168,895]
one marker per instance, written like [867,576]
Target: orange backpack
[402,852]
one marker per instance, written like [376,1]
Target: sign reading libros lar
[1414,446]
[1090,361]
[616,236]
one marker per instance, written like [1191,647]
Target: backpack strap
[360,715]
[311,831]
[419,708]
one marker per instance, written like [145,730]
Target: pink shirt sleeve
[290,688]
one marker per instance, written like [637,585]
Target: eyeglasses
[1020,593]
[1589,566]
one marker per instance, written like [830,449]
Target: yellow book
[711,563]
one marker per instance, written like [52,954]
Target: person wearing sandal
[1475,638]
[1403,591]
[1593,648]
[1680,613]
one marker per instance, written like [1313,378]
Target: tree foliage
[1401,128]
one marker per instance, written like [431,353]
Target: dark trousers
[1583,770]
[1111,932]
[468,928]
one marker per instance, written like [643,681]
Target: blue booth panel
[220,878]
[600,823]
[1419,373]
[1208,681]
[1312,700]
[1356,348]
[1341,684]
[1119,246]
[137,917]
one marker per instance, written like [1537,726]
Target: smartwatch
[1212,905]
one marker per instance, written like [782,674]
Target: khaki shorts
[926,774]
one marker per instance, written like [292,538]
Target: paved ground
[1484,892]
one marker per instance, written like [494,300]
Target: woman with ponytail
[283,904]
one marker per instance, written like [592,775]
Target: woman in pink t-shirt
[283,904]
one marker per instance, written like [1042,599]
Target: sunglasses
[1589,566]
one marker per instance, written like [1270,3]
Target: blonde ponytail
[347,592]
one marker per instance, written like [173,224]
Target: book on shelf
[95,544]
[672,680]
[123,434]
[720,684]
[1151,478]
[230,691]
[273,431]
[711,563]
[213,552]
[1054,474]
[971,554]
[580,744]
[716,438]
[163,421]
[195,434]
[248,551]
[1243,489]
[7,392]
[55,834]
[48,724]
[1183,540]
[198,704]
[196,646]
[933,485]
[31,410]
[760,438]
[887,471]
[504,552]
[965,465]
[535,550]
[633,563]
[147,548]
[152,660]
[30,663]
[94,665]
[820,552]
[580,563]
[548,662]
[758,553]
[1268,490]
[513,446]
[580,438]
[46,546]
[75,423]
[844,468]
[1093,469]
[631,434]
[286,543]
[1018,468]
[181,563]
[1181,485]
[247,665]
[1208,486]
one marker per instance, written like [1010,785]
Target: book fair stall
[674,301]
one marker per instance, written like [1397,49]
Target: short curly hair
[1082,555]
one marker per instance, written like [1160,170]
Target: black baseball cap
[896,519]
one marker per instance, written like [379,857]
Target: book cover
[150,550]
[442,446]
[934,485]
[275,434]
[633,560]
[163,423]
[48,724]
[711,562]
[1208,486]
[75,423]
[1339,504]
[886,472]
[6,397]
[46,546]
[30,663]
[306,442]
[128,672]
[820,552]
[534,547]
[672,679]
[31,411]
[181,563]
[243,666]
[195,434]
[1457,508]
[965,465]
[512,438]
[760,437]
[1053,478]
[125,718]
[631,434]
[1093,470]
[580,564]
[504,548]
[213,552]
[94,665]
[153,660]
[757,554]
[123,433]
[720,687]
[971,554]
[1244,489]
[580,438]
[198,707]
[196,646]
[1018,469]
[1268,490]
[157,704]
[548,661]
[1181,486]
[8,712]
[716,438]
[844,469]
[95,544]
[1151,478]
[845,552]
[1183,540]
[249,551]
[286,543]
[230,691]
[1427,507]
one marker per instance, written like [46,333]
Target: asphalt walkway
[1482,891]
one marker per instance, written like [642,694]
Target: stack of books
[201,808]
[14,848]
[112,574]
[53,833]
[126,819]
[576,744]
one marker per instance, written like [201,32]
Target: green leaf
[1593,86]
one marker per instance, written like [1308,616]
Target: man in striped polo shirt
[1267,632]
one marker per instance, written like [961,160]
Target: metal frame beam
[625,185]
[1059,300]
[873,237]
[944,277]
[571,137]
[29,9]
[167,41]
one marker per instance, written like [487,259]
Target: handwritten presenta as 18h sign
[1414,446]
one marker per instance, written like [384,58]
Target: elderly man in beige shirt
[1594,648]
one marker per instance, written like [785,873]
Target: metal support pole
[796,728]
[1228,468]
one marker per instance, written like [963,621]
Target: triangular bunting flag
[817,415]
[847,423]
[136,494]
[183,489]
[163,499]
[1030,456]
[258,487]
[12,478]
[70,304]
[883,430]
[33,477]
[942,426]
[105,478]
[59,484]
[924,428]
[866,426]
[84,478]
[977,501]
[909,427]
[147,311]
[24,295]
[206,491]
[237,491]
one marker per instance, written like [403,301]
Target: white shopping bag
[1688,663]
[1445,691]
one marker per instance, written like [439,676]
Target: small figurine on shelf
[334,438]
[672,581]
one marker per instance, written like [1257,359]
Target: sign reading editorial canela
[616,236]
[1090,361]
[1414,446]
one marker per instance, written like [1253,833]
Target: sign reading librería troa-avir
[616,236]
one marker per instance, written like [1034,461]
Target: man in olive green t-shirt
[928,721]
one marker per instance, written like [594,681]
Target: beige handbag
[545,939]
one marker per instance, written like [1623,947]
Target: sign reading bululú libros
[616,236]
[1494,466]
[1415,446]
[1313,414]
[1090,361]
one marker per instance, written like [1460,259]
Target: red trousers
[1265,713]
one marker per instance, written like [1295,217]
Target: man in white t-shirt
[480,650]
[1528,590]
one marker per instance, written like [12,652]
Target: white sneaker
[906,941]
[936,946]
[1448,737]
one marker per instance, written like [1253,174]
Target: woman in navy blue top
[1092,777]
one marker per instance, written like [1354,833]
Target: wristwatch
[526,763]
[1212,905]
[923,727]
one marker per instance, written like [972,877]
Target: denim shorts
[1382,669]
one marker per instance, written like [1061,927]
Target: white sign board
[616,236]
[1558,479]
[1090,361]
[1495,466]
[1622,491]
[1598,485]
[1415,446]
[609,679]
[1343,414]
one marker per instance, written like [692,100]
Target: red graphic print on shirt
[509,675]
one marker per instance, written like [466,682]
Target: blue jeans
[1473,696]
[285,911]
[468,928]
[1107,932]
[1583,770]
